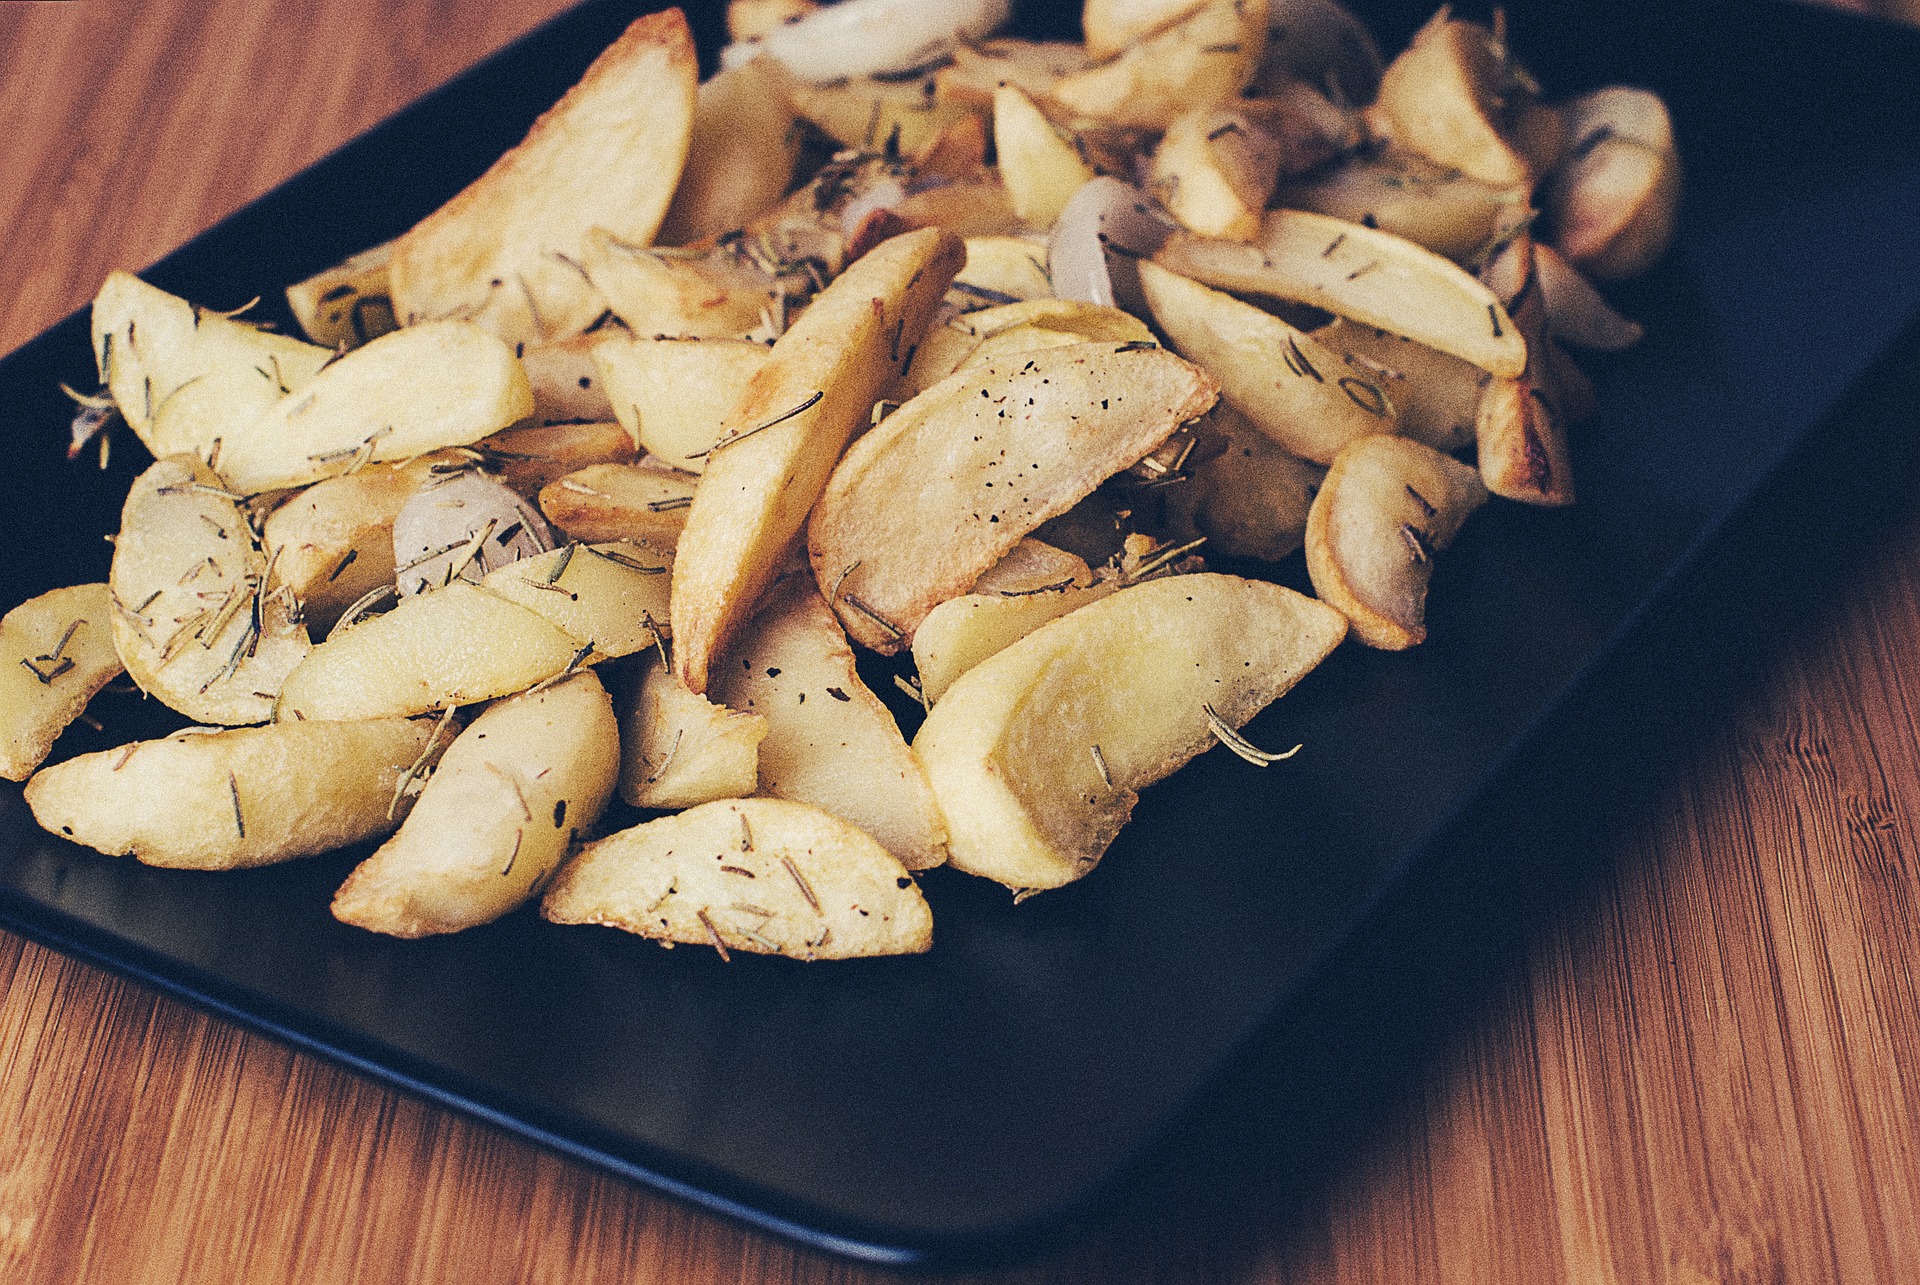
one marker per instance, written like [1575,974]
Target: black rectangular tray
[953,1105]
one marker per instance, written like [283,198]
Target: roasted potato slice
[193,620]
[510,796]
[1455,96]
[1611,206]
[740,161]
[950,346]
[454,646]
[609,502]
[1207,57]
[1408,195]
[999,611]
[678,750]
[332,544]
[444,383]
[349,303]
[1112,25]
[564,382]
[56,651]
[222,799]
[672,395]
[1361,273]
[611,596]
[1283,380]
[211,375]
[830,742]
[679,295]
[1214,170]
[760,875]
[781,442]
[1436,397]
[901,118]
[1038,753]
[1519,432]
[1320,43]
[1036,66]
[1246,495]
[1387,506]
[1001,270]
[1041,169]
[506,251]
[530,458]
[947,484]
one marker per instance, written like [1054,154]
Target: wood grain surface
[1696,1062]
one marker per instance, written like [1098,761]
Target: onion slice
[1577,312]
[1103,230]
[462,528]
[872,37]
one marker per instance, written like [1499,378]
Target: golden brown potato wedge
[1387,506]
[210,375]
[1361,273]
[443,383]
[760,875]
[222,799]
[679,295]
[830,742]
[506,252]
[1408,195]
[951,481]
[951,344]
[740,161]
[1519,430]
[1214,170]
[509,797]
[1205,58]
[1041,169]
[1454,95]
[193,620]
[1436,396]
[349,303]
[672,395]
[781,442]
[1611,206]
[1001,270]
[621,502]
[1283,380]
[530,458]
[679,750]
[1112,25]
[332,543]
[1038,753]
[454,646]
[896,118]
[612,596]
[961,632]
[56,651]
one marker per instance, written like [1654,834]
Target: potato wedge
[741,156]
[1436,397]
[1361,273]
[895,118]
[332,543]
[223,799]
[1033,564]
[193,620]
[1246,495]
[1041,169]
[676,296]
[1001,270]
[678,750]
[950,345]
[1387,506]
[56,651]
[349,303]
[830,742]
[444,383]
[948,483]
[1205,58]
[610,502]
[1038,753]
[506,252]
[1454,95]
[1284,381]
[1319,43]
[1410,196]
[533,457]
[759,875]
[961,632]
[510,796]
[1519,432]
[1611,206]
[564,382]
[210,374]
[1036,66]
[612,596]
[1112,25]
[815,392]
[454,646]
[672,395]
[1214,170]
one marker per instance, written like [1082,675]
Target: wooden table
[1701,1066]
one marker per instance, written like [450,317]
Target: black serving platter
[951,1106]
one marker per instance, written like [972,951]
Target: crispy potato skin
[798,413]
[56,651]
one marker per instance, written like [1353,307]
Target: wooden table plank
[1702,1068]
